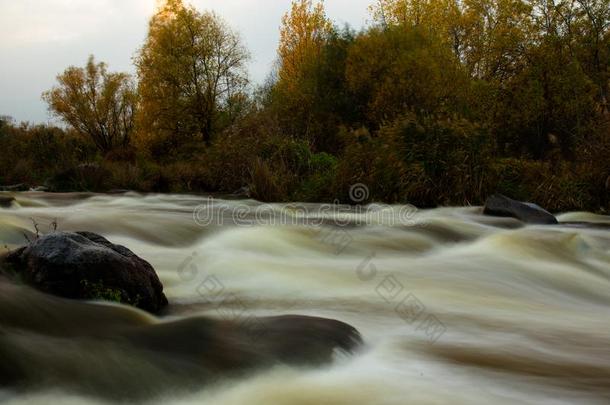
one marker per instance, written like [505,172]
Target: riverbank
[270,168]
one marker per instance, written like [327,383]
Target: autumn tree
[497,35]
[433,14]
[444,18]
[306,72]
[305,29]
[5,121]
[400,69]
[488,36]
[192,74]
[593,27]
[96,103]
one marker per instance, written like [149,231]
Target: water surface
[454,307]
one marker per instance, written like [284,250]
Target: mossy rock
[87,266]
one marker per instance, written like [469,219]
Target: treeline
[437,102]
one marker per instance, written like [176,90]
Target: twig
[27,238]
[36,228]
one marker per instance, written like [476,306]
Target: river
[453,306]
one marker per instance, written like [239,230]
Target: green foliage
[98,291]
[319,183]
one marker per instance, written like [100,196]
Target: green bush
[319,184]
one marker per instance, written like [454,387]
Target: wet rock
[60,339]
[84,265]
[243,192]
[6,201]
[587,225]
[39,189]
[15,187]
[502,206]
[302,340]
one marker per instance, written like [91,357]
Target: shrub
[266,184]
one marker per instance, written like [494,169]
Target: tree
[310,58]
[488,36]
[192,71]
[96,103]
[5,122]
[594,30]
[305,30]
[443,18]
[497,35]
[401,69]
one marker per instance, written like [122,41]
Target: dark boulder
[243,192]
[84,265]
[6,201]
[15,187]
[302,340]
[501,206]
[43,335]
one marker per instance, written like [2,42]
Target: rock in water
[46,343]
[6,201]
[15,187]
[502,206]
[84,265]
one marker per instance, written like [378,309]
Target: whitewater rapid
[453,306]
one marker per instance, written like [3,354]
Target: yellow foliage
[487,35]
[192,71]
[96,103]
[303,33]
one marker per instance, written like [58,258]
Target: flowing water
[453,306]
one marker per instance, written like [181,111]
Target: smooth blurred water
[454,307]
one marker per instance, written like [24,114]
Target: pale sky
[40,38]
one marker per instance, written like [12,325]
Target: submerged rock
[243,192]
[6,201]
[46,342]
[502,206]
[84,265]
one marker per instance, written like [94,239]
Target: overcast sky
[40,38]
